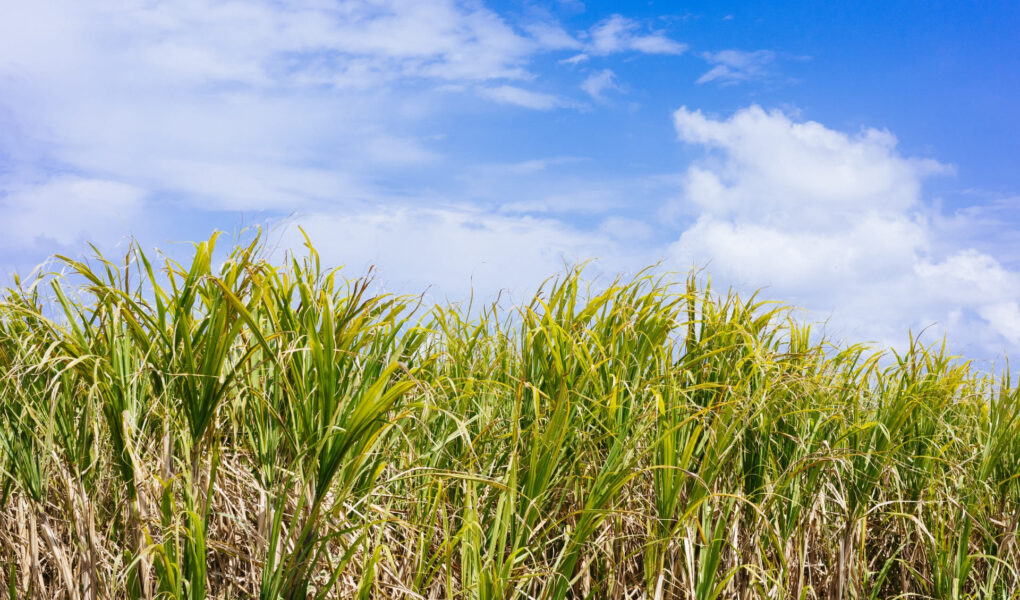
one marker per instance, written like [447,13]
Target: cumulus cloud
[809,172]
[835,222]
[1006,316]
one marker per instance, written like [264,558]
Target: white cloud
[66,210]
[609,36]
[314,107]
[733,66]
[253,42]
[834,222]
[528,167]
[575,59]
[808,171]
[510,94]
[620,34]
[239,105]
[597,84]
[576,199]
[1006,317]
[552,36]
[212,110]
[255,105]
[627,230]
[803,260]
[385,149]
[260,185]
[452,249]
[561,186]
[969,278]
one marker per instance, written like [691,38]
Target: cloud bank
[836,223]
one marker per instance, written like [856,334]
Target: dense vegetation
[234,428]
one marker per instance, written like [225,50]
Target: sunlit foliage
[233,427]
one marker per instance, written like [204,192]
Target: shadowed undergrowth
[238,428]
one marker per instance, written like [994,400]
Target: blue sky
[857,160]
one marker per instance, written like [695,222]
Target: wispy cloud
[732,66]
[597,84]
[142,90]
[552,36]
[509,94]
[261,105]
[620,34]
[63,210]
[247,105]
[575,59]
[527,167]
[254,106]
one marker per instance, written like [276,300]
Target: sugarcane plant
[229,420]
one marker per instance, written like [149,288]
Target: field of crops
[232,427]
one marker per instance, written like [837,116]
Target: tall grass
[233,428]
